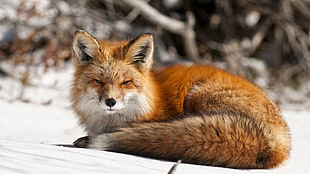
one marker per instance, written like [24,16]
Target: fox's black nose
[110,102]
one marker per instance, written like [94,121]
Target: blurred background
[266,41]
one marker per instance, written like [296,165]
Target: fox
[195,113]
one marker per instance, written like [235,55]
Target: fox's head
[110,77]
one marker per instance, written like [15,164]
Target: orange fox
[195,113]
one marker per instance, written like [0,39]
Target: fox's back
[215,90]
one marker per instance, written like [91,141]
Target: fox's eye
[98,81]
[126,82]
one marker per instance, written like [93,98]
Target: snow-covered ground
[30,130]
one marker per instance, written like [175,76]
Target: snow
[32,123]
[30,131]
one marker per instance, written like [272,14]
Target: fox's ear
[85,47]
[140,51]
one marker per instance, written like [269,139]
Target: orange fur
[197,113]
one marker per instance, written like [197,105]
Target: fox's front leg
[82,142]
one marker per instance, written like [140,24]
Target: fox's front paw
[82,142]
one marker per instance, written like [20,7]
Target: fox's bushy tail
[227,140]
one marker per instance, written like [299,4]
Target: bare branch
[302,7]
[186,30]
[189,39]
[298,43]
[156,17]
[260,34]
